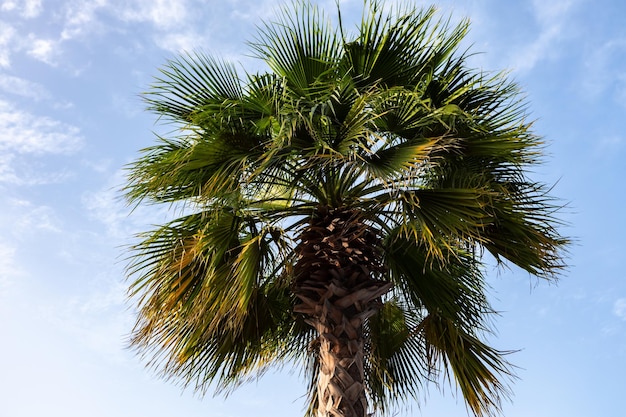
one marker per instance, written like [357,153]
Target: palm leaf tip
[477,369]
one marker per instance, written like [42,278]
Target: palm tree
[334,212]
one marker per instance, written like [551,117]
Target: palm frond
[211,166]
[190,82]
[477,369]
[400,47]
[301,47]
[397,367]
[228,309]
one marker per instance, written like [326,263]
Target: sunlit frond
[190,82]
[302,47]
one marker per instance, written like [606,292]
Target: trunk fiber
[337,258]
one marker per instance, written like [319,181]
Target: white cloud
[81,18]
[32,8]
[23,132]
[547,12]
[608,146]
[619,308]
[7,35]
[179,42]
[173,25]
[44,50]
[34,219]
[26,8]
[105,206]
[163,14]
[171,21]
[14,171]
[8,6]
[21,87]
[100,166]
[7,172]
[605,70]
[551,18]
[62,105]
[127,107]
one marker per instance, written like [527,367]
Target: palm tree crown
[336,210]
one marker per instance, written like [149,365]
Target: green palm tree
[334,211]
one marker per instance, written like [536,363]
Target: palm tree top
[378,148]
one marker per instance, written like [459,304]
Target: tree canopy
[357,182]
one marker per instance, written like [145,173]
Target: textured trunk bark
[337,256]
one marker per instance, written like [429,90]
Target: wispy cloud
[33,219]
[26,134]
[619,308]
[608,147]
[100,166]
[173,25]
[105,206]
[108,207]
[23,132]
[26,8]
[605,70]
[22,87]
[7,171]
[99,319]
[15,170]
[179,41]
[81,18]
[7,35]
[11,40]
[44,50]
[552,18]
[162,14]
[261,10]
[171,21]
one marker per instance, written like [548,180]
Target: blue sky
[70,119]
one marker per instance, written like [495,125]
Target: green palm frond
[402,49]
[228,314]
[301,47]
[394,161]
[477,368]
[190,82]
[397,367]
[453,287]
[190,168]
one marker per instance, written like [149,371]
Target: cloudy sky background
[71,118]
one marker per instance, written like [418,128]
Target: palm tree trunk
[337,258]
